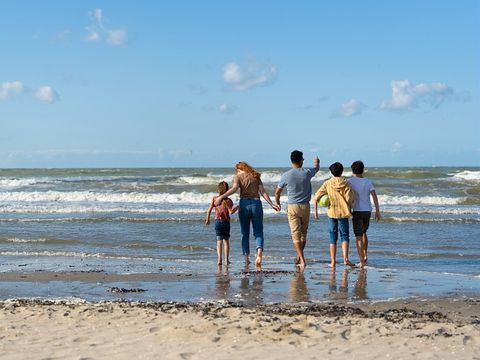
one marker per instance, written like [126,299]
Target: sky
[209,83]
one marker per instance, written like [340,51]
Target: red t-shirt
[222,212]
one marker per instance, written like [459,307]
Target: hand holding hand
[276,207]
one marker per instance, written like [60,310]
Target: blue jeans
[334,225]
[251,211]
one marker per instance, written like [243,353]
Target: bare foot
[219,262]
[348,262]
[301,265]
[332,264]
[297,260]
[258,259]
[365,260]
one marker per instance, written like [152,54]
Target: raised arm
[377,206]
[316,164]
[232,190]
[261,190]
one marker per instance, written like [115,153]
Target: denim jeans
[251,211]
[338,224]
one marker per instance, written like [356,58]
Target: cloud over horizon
[45,93]
[97,32]
[351,108]
[249,76]
[407,96]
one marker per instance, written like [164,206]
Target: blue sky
[209,83]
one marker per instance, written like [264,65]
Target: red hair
[242,165]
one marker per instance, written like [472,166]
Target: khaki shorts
[298,219]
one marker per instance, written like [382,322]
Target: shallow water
[142,220]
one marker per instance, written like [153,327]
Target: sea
[151,221]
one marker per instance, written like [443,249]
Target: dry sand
[433,329]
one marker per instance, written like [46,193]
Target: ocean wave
[432,220]
[73,254]
[419,200]
[104,197]
[467,175]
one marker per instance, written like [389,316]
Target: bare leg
[226,251]
[247,259]
[219,252]
[365,247]
[299,249]
[258,259]
[333,255]
[345,254]
[360,250]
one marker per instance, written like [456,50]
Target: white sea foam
[419,200]
[106,197]
[72,254]
[23,182]
[467,175]
[18,240]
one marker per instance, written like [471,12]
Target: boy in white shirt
[362,208]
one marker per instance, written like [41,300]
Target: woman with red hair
[250,207]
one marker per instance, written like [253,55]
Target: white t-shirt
[362,187]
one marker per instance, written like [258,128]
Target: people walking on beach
[299,192]
[362,208]
[222,222]
[340,194]
[250,207]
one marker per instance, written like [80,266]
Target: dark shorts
[222,229]
[361,221]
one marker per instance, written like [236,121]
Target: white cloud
[407,96]
[397,147]
[96,31]
[10,89]
[227,109]
[46,94]
[249,76]
[350,108]
[116,37]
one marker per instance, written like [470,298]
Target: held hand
[276,207]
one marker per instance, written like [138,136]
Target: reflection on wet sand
[338,291]
[222,283]
[360,288]
[298,291]
[251,286]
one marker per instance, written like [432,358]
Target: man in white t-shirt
[362,208]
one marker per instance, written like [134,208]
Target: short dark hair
[336,169]
[358,167]
[296,156]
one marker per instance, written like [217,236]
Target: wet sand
[421,329]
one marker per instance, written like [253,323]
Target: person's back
[362,208]
[299,187]
[299,192]
[362,187]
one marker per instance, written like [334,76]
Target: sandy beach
[421,329]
